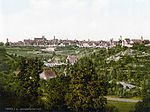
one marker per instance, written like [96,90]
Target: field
[28,52]
[60,52]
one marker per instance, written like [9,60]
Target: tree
[87,88]
[1,44]
[144,106]
[7,44]
[28,79]
[52,94]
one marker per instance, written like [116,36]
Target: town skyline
[55,42]
[75,38]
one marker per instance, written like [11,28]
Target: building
[47,74]
[40,41]
[28,42]
[71,59]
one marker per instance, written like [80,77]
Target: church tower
[7,40]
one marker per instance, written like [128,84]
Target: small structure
[50,49]
[47,74]
[71,59]
[61,45]
[86,45]
[127,85]
[53,64]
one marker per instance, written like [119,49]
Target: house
[40,41]
[126,42]
[61,45]
[28,42]
[71,59]
[137,41]
[47,74]
[85,44]
[146,41]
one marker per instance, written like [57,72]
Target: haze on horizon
[74,19]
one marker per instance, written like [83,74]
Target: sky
[74,19]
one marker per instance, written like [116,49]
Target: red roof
[49,74]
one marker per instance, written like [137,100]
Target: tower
[54,41]
[7,40]
[141,38]
[120,37]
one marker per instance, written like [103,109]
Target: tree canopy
[87,88]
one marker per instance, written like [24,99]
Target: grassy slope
[28,52]
[7,61]
[132,98]
[122,106]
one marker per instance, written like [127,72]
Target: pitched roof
[72,58]
[137,40]
[49,73]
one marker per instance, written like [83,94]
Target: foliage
[111,108]
[141,47]
[122,106]
[28,79]
[69,47]
[8,88]
[1,44]
[8,63]
[86,83]
[87,88]
[52,93]
[130,68]
[144,106]
[7,44]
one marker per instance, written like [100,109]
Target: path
[122,99]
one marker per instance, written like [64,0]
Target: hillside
[126,69]
[7,62]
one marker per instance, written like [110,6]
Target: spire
[7,40]
[141,38]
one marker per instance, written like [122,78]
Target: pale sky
[74,19]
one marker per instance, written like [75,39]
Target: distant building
[137,41]
[71,59]
[7,40]
[61,45]
[28,42]
[85,44]
[47,74]
[43,42]
[127,42]
[146,41]
[20,43]
[40,41]
[49,49]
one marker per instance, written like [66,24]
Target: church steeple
[7,40]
